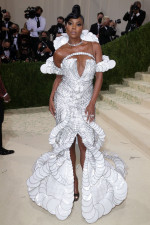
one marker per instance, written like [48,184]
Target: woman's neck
[74,41]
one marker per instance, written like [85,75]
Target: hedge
[28,87]
[131,53]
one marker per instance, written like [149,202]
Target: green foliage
[131,53]
[28,87]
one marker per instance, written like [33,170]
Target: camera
[4,59]
[118,21]
[44,45]
[134,7]
[2,11]
[30,12]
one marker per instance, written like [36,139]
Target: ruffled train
[52,184]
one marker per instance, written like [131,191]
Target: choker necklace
[75,44]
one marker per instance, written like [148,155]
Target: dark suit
[2,93]
[105,34]
[4,32]
[134,20]
[46,55]
[54,30]
[94,28]
[14,52]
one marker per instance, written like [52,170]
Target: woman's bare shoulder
[97,51]
[59,55]
[96,45]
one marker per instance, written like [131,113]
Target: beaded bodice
[70,64]
[74,85]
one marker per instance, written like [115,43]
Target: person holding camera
[6,24]
[106,31]
[15,40]
[45,48]
[35,24]
[57,30]
[7,54]
[4,97]
[113,25]
[135,17]
[25,46]
[96,26]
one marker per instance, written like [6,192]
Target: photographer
[35,24]
[25,46]
[135,17]
[113,25]
[6,52]
[56,30]
[45,48]
[15,39]
[96,26]
[106,31]
[6,24]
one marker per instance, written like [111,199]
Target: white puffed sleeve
[105,65]
[50,68]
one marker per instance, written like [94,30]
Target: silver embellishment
[75,44]
[52,184]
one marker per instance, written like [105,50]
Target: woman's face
[74,27]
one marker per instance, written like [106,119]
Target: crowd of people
[33,43]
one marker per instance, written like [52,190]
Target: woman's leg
[73,159]
[82,151]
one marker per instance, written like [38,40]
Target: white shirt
[7,53]
[32,25]
[15,41]
[6,25]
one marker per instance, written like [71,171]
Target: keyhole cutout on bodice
[81,61]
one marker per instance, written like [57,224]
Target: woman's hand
[52,107]
[90,112]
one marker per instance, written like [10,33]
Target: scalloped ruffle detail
[50,68]
[105,65]
[103,186]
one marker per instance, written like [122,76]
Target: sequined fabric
[52,184]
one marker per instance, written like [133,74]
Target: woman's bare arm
[98,83]
[99,75]
[55,85]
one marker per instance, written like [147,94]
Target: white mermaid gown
[52,184]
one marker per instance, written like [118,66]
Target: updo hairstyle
[75,14]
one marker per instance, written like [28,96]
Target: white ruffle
[85,36]
[105,65]
[50,68]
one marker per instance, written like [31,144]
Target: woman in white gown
[54,184]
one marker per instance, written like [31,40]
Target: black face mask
[37,14]
[7,19]
[24,36]
[100,20]
[44,39]
[59,24]
[6,49]
[13,31]
[24,44]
